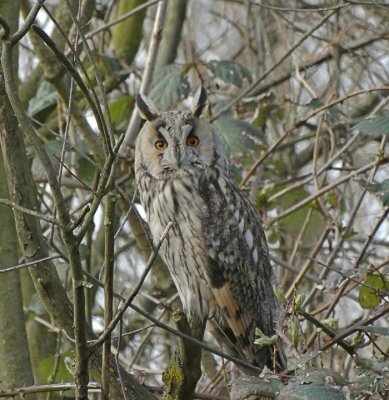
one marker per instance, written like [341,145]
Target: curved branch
[27,23]
[6,28]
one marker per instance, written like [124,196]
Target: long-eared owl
[216,251]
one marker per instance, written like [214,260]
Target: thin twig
[24,210]
[119,314]
[307,178]
[156,37]
[349,225]
[322,191]
[307,264]
[104,183]
[29,21]
[294,269]
[175,332]
[144,340]
[250,88]
[296,9]
[301,122]
[370,237]
[121,18]
[109,257]
[327,331]
[29,264]
[76,76]
[342,289]
[63,165]
[104,115]
[54,387]
[357,326]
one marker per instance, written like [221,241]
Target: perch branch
[175,332]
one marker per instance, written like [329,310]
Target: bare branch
[24,210]
[93,387]
[134,124]
[126,304]
[29,264]
[250,88]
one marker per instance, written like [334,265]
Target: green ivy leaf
[274,236]
[371,293]
[279,294]
[292,223]
[250,387]
[230,71]
[374,126]
[317,391]
[169,86]
[371,383]
[46,97]
[382,187]
[231,130]
[376,330]
[319,376]
[120,110]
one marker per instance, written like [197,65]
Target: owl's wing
[239,271]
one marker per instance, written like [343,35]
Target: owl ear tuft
[200,101]
[146,108]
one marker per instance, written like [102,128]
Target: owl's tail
[272,356]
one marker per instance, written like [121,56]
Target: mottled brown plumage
[216,252]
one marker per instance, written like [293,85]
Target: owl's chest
[184,249]
[176,202]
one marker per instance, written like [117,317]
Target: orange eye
[161,144]
[192,141]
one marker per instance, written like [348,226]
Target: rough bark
[14,353]
[183,373]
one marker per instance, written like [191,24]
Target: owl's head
[176,143]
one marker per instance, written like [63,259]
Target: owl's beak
[175,156]
[177,152]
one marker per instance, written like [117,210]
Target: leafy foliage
[318,391]
[234,133]
[383,188]
[230,72]
[169,86]
[378,125]
[120,110]
[374,288]
[46,97]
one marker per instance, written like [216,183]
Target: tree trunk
[14,352]
[176,13]
[124,47]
